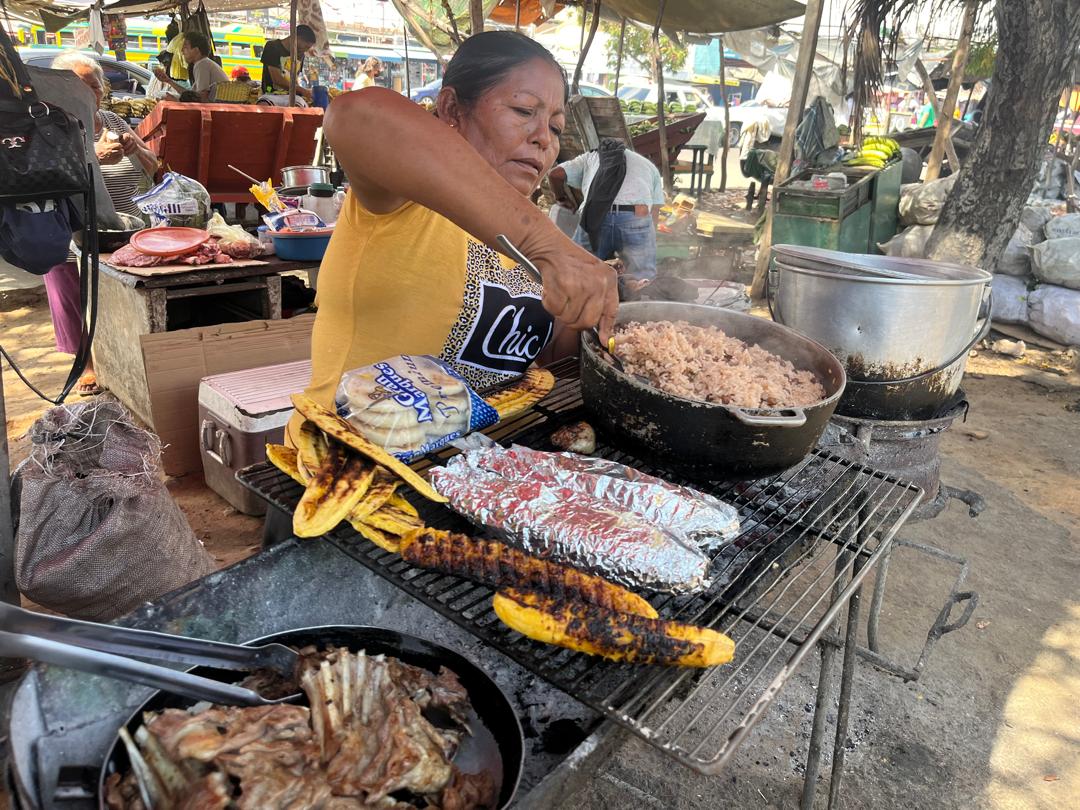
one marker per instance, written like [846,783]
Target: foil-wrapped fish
[581,528]
[691,516]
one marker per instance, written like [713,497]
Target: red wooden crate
[201,140]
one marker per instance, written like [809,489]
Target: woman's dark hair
[198,40]
[484,59]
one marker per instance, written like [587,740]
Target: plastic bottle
[320,199]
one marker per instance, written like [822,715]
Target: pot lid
[869,267]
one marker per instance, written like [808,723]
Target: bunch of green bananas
[875,151]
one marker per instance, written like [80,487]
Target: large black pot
[703,438]
[496,744]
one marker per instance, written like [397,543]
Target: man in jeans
[623,193]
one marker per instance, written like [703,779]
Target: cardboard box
[175,362]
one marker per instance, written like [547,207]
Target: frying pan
[496,744]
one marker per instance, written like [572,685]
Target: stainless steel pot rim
[908,272]
[591,344]
[307,168]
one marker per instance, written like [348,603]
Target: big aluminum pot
[703,438]
[903,328]
[304,176]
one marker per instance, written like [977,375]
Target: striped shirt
[122,180]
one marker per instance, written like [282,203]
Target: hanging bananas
[875,152]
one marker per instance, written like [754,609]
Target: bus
[237,44]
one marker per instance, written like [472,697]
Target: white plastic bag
[1057,261]
[233,240]
[1010,303]
[1063,226]
[909,243]
[411,405]
[921,203]
[1054,312]
[178,201]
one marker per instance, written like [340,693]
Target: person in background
[927,114]
[623,193]
[125,161]
[275,61]
[368,73]
[205,73]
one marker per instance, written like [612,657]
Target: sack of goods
[97,532]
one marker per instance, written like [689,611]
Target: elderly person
[368,73]
[412,266]
[125,161]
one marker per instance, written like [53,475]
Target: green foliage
[980,63]
[637,48]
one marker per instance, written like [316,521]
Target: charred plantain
[380,538]
[338,485]
[284,458]
[378,495]
[611,634]
[311,449]
[337,428]
[393,521]
[534,385]
[498,565]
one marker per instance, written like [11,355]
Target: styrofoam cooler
[239,413]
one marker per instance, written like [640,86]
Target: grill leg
[817,733]
[851,643]
[876,600]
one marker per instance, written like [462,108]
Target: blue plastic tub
[301,247]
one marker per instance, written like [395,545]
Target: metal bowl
[304,176]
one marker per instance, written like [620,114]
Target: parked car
[746,113]
[685,94]
[126,79]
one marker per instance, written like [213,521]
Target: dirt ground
[994,722]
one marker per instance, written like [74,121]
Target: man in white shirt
[203,72]
[623,193]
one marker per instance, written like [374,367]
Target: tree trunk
[476,16]
[1037,42]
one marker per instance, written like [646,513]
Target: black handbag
[42,147]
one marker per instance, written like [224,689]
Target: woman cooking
[411,269]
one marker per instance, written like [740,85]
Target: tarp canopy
[709,16]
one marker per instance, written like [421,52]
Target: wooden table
[131,305]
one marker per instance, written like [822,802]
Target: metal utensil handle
[17,645]
[245,175]
[519,257]
[791,417]
[126,641]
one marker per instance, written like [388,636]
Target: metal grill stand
[809,537]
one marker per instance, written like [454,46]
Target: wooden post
[618,57]
[804,67]
[517,16]
[658,67]
[292,62]
[588,43]
[727,118]
[8,592]
[956,78]
[476,16]
[408,81]
[928,88]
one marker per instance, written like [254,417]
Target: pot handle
[790,418]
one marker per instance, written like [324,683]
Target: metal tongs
[103,649]
[515,254]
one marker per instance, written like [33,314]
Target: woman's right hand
[107,150]
[579,290]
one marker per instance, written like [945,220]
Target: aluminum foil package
[578,528]
[691,516]
[411,405]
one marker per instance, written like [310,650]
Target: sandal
[87,386]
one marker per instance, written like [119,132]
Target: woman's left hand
[128,143]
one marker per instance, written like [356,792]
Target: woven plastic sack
[921,203]
[1010,302]
[1057,261]
[1054,312]
[1063,226]
[98,533]
[909,243]
[1016,258]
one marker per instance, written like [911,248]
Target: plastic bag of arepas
[411,405]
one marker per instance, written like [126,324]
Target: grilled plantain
[284,458]
[611,634]
[338,485]
[311,449]
[400,502]
[498,565]
[380,538]
[378,495]
[336,427]
[534,385]
[393,521]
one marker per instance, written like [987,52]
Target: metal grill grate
[809,536]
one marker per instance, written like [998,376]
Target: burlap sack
[98,532]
